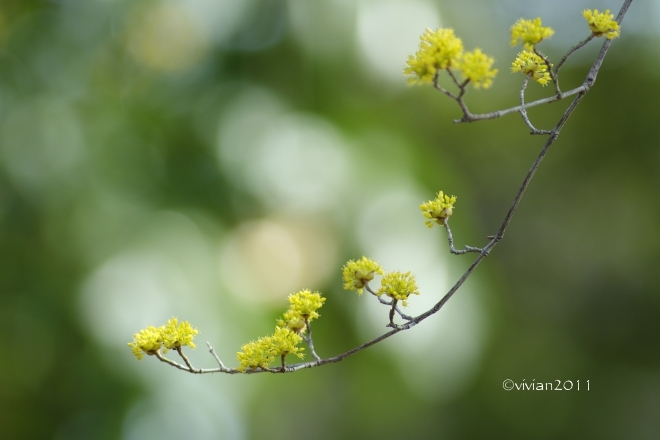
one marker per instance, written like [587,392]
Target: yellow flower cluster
[255,354]
[529,33]
[442,49]
[476,66]
[439,49]
[531,64]
[178,335]
[602,23]
[357,274]
[436,210]
[169,336]
[398,285]
[262,352]
[302,309]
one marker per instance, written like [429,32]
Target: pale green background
[205,158]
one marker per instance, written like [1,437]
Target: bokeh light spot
[165,36]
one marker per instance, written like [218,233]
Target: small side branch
[217,359]
[450,238]
[458,98]
[389,303]
[553,75]
[580,45]
[184,357]
[173,363]
[523,112]
[310,342]
[442,89]
[500,113]
[392,310]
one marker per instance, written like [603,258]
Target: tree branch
[412,322]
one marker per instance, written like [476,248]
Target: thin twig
[380,298]
[388,303]
[553,76]
[570,52]
[217,359]
[523,112]
[500,113]
[450,238]
[184,357]
[172,363]
[392,311]
[310,342]
[458,98]
[442,89]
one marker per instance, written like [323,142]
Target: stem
[184,357]
[553,75]
[500,113]
[450,238]
[310,342]
[392,311]
[388,303]
[523,112]
[570,52]
[217,359]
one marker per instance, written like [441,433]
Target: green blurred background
[206,158]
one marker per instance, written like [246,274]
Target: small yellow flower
[285,341]
[476,66]
[529,32]
[148,341]
[398,285]
[255,354]
[262,352]
[531,64]
[436,210]
[178,335]
[358,273]
[170,336]
[439,49]
[303,306]
[602,23]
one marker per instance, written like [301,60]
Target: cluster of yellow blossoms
[263,351]
[529,33]
[396,285]
[358,273]
[302,309]
[602,23]
[437,210]
[533,65]
[169,336]
[442,49]
[399,286]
